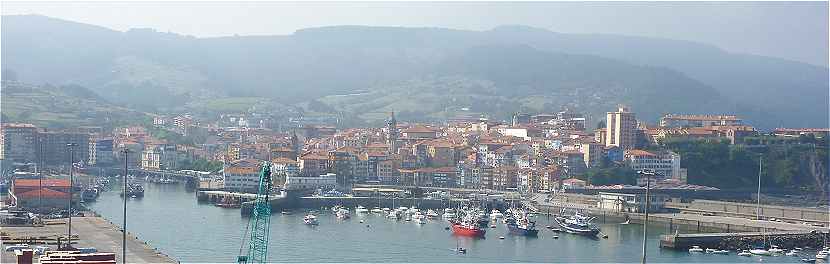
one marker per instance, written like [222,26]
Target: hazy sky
[791,30]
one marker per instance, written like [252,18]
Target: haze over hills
[506,69]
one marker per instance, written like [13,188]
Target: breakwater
[733,241]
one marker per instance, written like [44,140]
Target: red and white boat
[466,229]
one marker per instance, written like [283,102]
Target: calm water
[170,219]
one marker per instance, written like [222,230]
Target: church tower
[392,133]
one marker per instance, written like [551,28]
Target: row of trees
[719,164]
[800,164]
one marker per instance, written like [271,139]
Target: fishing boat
[134,190]
[522,227]
[466,228]
[449,213]
[310,219]
[89,194]
[495,214]
[577,224]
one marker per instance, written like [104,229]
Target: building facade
[621,129]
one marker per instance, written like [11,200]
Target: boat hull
[576,230]
[515,230]
[460,230]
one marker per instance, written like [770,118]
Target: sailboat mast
[758,207]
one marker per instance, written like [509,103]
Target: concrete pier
[733,241]
[86,232]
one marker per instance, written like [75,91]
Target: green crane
[259,223]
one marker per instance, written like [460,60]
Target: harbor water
[170,219]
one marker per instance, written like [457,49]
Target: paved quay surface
[92,232]
[736,221]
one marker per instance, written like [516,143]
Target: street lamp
[71,148]
[125,151]
[648,174]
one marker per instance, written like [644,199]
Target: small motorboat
[286,212]
[461,250]
[695,249]
[808,260]
[744,253]
[710,250]
[721,252]
[822,254]
[360,209]
[377,210]
[791,253]
[420,221]
[431,213]
[310,220]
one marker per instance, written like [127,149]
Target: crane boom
[260,222]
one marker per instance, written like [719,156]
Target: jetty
[733,241]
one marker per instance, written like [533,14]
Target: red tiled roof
[419,129]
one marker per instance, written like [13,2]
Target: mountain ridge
[317,62]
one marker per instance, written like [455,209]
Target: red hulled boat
[466,229]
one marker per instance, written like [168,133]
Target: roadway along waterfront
[171,219]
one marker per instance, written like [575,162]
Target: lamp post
[71,148]
[125,151]
[648,175]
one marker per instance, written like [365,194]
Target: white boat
[431,213]
[343,213]
[394,215]
[791,253]
[721,252]
[495,214]
[360,209]
[775,250]
[418,215]
[760,252]
[744,253]
[420,221]
[377,210]
[710,250]
[695,249]
[386,209]
[822,254]
[310,220]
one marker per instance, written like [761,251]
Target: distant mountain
[514,66]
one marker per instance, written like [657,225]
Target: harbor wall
[671,224]
[745,209]
[735,241]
